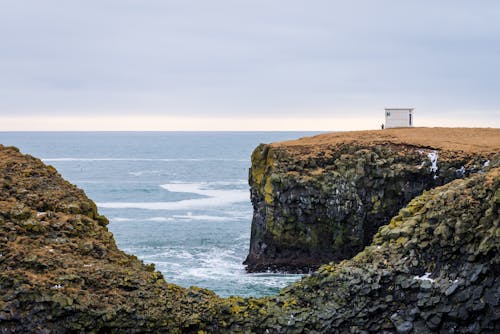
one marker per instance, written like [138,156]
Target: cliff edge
[434,268]
[61,271]
[321,199]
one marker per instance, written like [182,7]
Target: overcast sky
[249,64]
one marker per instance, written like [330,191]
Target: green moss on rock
[70,277]
[315,206]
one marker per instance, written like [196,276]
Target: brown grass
[471,140]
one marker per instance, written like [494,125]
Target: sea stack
[321,199]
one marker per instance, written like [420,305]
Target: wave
[187,217]
[190,217]
[217,267]
[170,253]
[143,159]
[202,188]
[213,197]
[119,219]
[213,265]
[152,219]
[215,262]
[147,172]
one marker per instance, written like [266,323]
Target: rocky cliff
[61,271]
[434,268]
[322,198]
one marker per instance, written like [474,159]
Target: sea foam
[141,159]
[186,217]
[213,197]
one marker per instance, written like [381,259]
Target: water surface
[179,200]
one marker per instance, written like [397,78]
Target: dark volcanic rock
[434,268]
[321,201]
[439,276]
[61,271]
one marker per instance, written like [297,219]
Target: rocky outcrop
[61,271]
[434,268]
[322,198]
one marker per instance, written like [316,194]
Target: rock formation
[322,199]
[61,271]
[434,268]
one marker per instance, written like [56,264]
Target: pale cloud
[224,59]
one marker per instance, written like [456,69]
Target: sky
[247,64]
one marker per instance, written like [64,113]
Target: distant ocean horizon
[179,200]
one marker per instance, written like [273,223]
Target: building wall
[398,118]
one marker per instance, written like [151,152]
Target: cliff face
[61,271]
[323,198]
[434,268]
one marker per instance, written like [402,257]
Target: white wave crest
[214,197]
[187,217]
[169,253]
[215,263]
[219,264]
[142,159]
[120,219]
[191,217]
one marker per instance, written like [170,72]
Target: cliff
[434,267]
[322,198]
[61,271]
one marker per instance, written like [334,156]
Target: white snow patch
[57,286]
[433,157]
[486,164]
[461,171]
[425,277]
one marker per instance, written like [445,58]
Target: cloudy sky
[246,64]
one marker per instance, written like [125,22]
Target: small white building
[398,117]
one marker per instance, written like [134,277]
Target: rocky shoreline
[433,268]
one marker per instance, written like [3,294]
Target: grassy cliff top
[468,140]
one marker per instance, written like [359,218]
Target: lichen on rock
[433,268]
[61,271]
[322,199]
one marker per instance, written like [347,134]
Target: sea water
[179,200]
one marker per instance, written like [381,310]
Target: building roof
[410,109]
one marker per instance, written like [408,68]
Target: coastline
[425,271]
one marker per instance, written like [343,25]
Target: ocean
[179,200]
